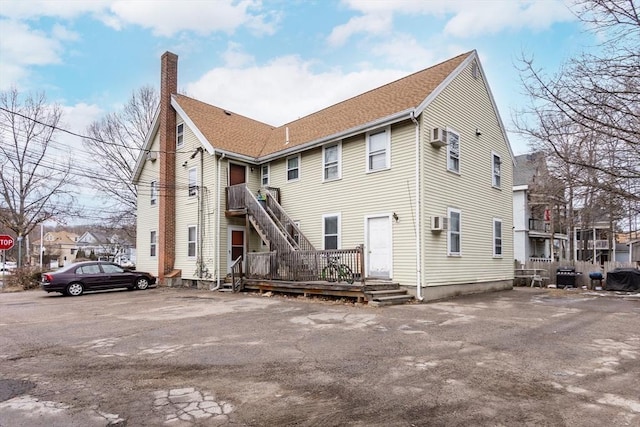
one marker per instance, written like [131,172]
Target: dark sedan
[76,278]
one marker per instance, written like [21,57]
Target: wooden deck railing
[301,265]
[236,275]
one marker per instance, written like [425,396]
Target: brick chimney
[167,158]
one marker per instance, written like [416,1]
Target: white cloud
[31,9]
[370,24]
[203,17]
[461,18]
[20,48]
[284,89]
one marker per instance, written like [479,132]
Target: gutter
[419,296]
[217,245]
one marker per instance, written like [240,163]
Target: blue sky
[271,60]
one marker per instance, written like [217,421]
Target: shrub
[23,278]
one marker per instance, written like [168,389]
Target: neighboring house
[539,212]
[58,248]
[594,237]
[634,252]
[110,247]
[417,174]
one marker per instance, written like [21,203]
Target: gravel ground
[185,357]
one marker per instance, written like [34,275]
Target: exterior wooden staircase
[383,294]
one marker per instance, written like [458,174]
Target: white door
[378,247]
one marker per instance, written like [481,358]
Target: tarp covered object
[623,279]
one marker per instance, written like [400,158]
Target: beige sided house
[409,184]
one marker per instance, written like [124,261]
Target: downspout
[419,296]
[217,245]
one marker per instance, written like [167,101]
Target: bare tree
[34,185]
[596,96]
[115,143]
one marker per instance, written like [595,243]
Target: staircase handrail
[285,221]
[264,221]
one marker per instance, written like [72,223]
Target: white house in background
[539,230]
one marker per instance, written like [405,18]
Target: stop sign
[6,242]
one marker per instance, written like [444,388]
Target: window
[110,268]
[378,150]
[496,170]
[454,243]
[152,246]
[453,151]
[331,159]
[293,168]
[191,241]
[88,269]
[193,181]
[180,135]
[154,192]
[265,174]
[497,237]
[330,231]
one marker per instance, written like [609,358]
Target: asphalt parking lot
[185,357]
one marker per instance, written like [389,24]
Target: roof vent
[227,112]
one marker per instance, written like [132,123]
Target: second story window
[193,182]
[180,135]
[154,192]
[379,150]
[496,170]
[293,168]
[265,174]
[331,160]
[453,151]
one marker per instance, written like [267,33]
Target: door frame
[367,258]
[230,229]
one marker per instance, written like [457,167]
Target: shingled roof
[235,133]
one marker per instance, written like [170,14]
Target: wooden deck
[308,288]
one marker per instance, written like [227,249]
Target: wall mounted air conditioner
[439,223]
[438,137]
[152,156]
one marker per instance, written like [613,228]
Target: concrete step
[390,300]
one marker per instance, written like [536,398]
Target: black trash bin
[566,277]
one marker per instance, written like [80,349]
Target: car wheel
[75,289]
[142,283]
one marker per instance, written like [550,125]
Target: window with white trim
[454,234]
[264,173]
[153,243]
[180,135]
[331,161]
[191,241]
[497,237]
[154,192]
[453,151]
[293,168]
[496,167]
[193,181]
[331,231]
[379,150]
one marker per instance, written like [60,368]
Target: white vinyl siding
[454,233]
[331,231]
[264,175]
[193,182]
[192,240]
[153,243]
[497,237]
[179,135]
[293,168]
[331,155]
[453,151]
[496,163]
[153,192]
[379,150]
